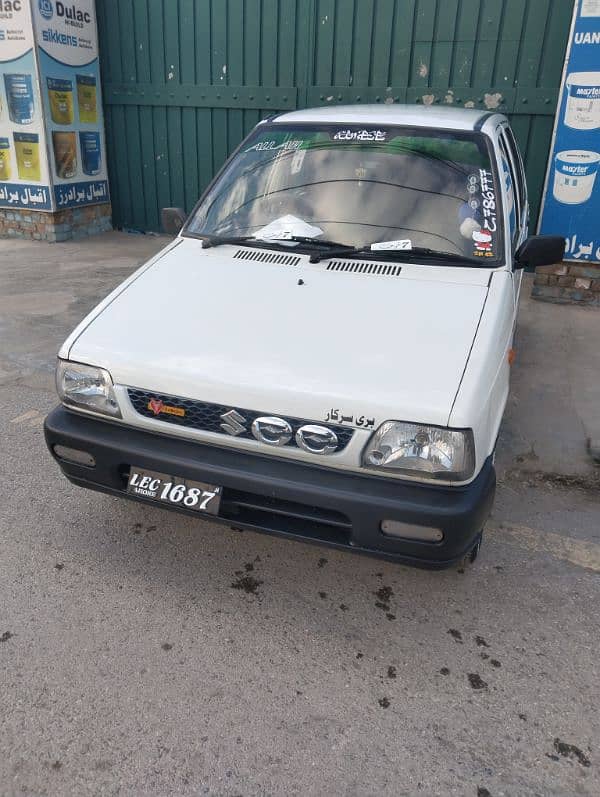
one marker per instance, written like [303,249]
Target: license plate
[174,490]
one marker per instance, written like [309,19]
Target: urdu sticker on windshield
[265,146]
[360,135]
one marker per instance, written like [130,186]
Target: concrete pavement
[145,653]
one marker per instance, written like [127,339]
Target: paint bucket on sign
[583,100]
[19,98]
[86,99]
[4,159]
[27,150]
[89,144]
[65,154]
[60,95]
[574,175]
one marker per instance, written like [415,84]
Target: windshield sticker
[481,223]
[337,416]
[263,146]
[360,135]
[483,243]
[488,200]
[402,245]
[473,183]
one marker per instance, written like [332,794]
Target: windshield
[359,186]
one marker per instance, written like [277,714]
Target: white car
[323,351]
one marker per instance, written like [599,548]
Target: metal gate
[184,80]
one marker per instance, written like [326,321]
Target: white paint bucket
[574,175]
[583,100]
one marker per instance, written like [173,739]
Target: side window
[508,178]
[518,161]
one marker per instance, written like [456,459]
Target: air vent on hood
[364,267]
[267,257]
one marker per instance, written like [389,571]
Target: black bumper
[294,500]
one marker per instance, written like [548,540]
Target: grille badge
[233,422]
[272,431]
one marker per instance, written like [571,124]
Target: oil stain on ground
[571,751]
[6,636]
[248,584]
[383,595]
[455,634]
[476,681]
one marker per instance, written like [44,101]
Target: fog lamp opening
[407,531]
[75,455]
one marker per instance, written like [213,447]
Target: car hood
[289,337]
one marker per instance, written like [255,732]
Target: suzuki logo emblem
[233,422]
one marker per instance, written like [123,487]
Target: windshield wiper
[398,254]
[220,240]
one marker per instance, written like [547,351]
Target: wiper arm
[396,254]
[220,240]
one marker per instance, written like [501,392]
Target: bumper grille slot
[275,514]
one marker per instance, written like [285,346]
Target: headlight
[86,387]
[428,452]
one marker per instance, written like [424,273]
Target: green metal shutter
[185,80]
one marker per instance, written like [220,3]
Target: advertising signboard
[571,203]
[24,178]
[52,148]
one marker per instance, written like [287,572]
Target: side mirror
[172,220]
[540,250]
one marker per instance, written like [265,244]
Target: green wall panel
[185,80]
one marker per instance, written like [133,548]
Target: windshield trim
[271,125]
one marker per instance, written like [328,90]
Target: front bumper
[291,499]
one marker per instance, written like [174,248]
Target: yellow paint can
[60,96]
[86,99]
[4,159]
[27,150]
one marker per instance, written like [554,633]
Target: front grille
[207,417]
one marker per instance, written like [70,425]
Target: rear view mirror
[172,220]
[540,250]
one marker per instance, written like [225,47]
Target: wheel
[470,557]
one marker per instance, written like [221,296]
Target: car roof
[393,114]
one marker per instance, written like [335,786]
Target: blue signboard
[571,202]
